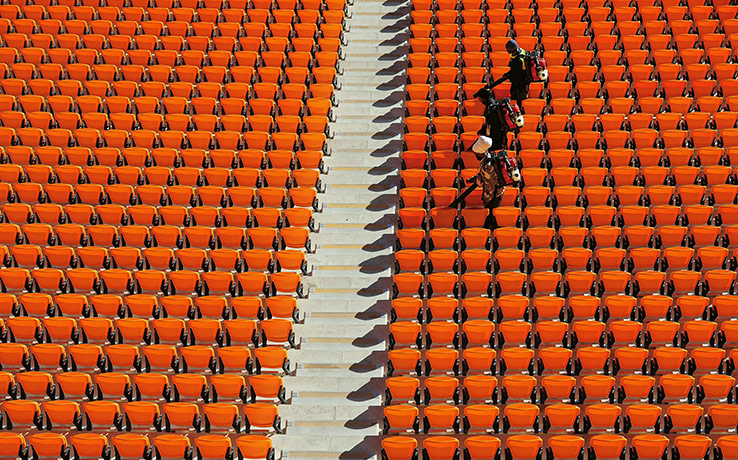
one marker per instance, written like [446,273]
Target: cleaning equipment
[509,170]
[481,145]
[535,65]
[508,112]
[511,115]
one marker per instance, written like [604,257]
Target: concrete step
[359,227]
[310,398]
[332,318]
[356,304]
[352,447]
[381,204]
[368,243]
[339,371]
[336,392]
[350,257]
[355,271]
[379,150]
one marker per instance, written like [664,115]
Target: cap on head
[511,46]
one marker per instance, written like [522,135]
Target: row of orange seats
[89,280]
[579,239]
[672,121]
[200,19]
[446,86]
[207,102]
[458,237]
[443,183]
[88,358]
[540,215]
[530,447]
[271,63]
[573,308]
[447,49]
[551,389]
[179,216]
[638,138]
[576,21]
[625,361]
[482,332]
[551,11]
[572,51]
[583,332]
[124,194]
[186,195]
[118,386]
[75,305]
[603,215]
[199,4]
[590,186]
[622,102]
[141,415]
[149,139]
[575,118]
[137,330]
[42,175]
[324,71]
[38,128]
[101,75]
[37,161]
[282,173]
[317,11]
[161,66]
[616,103]
[710,282]
[525,417]
[168,236]
[416,163]
[295,121]
[586,99]
[445,119]
[134,446]
[594,142]
[577,40]
[29,93]
[722,5]
[476,4]
[606,218]
[115,27]
[540,255]
[158,258]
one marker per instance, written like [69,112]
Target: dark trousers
[499,140]
[519,94]
[491,222]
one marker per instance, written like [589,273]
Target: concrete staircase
[337,384]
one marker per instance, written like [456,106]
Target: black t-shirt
[517,72]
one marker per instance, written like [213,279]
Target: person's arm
[516,68]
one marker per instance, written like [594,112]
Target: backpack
[509,172]
[534,66]
[511,115]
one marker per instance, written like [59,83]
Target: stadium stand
[595,320]
[162,181]
[161,165]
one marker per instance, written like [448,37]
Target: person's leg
[519,95]
[491,223]
[498,140]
